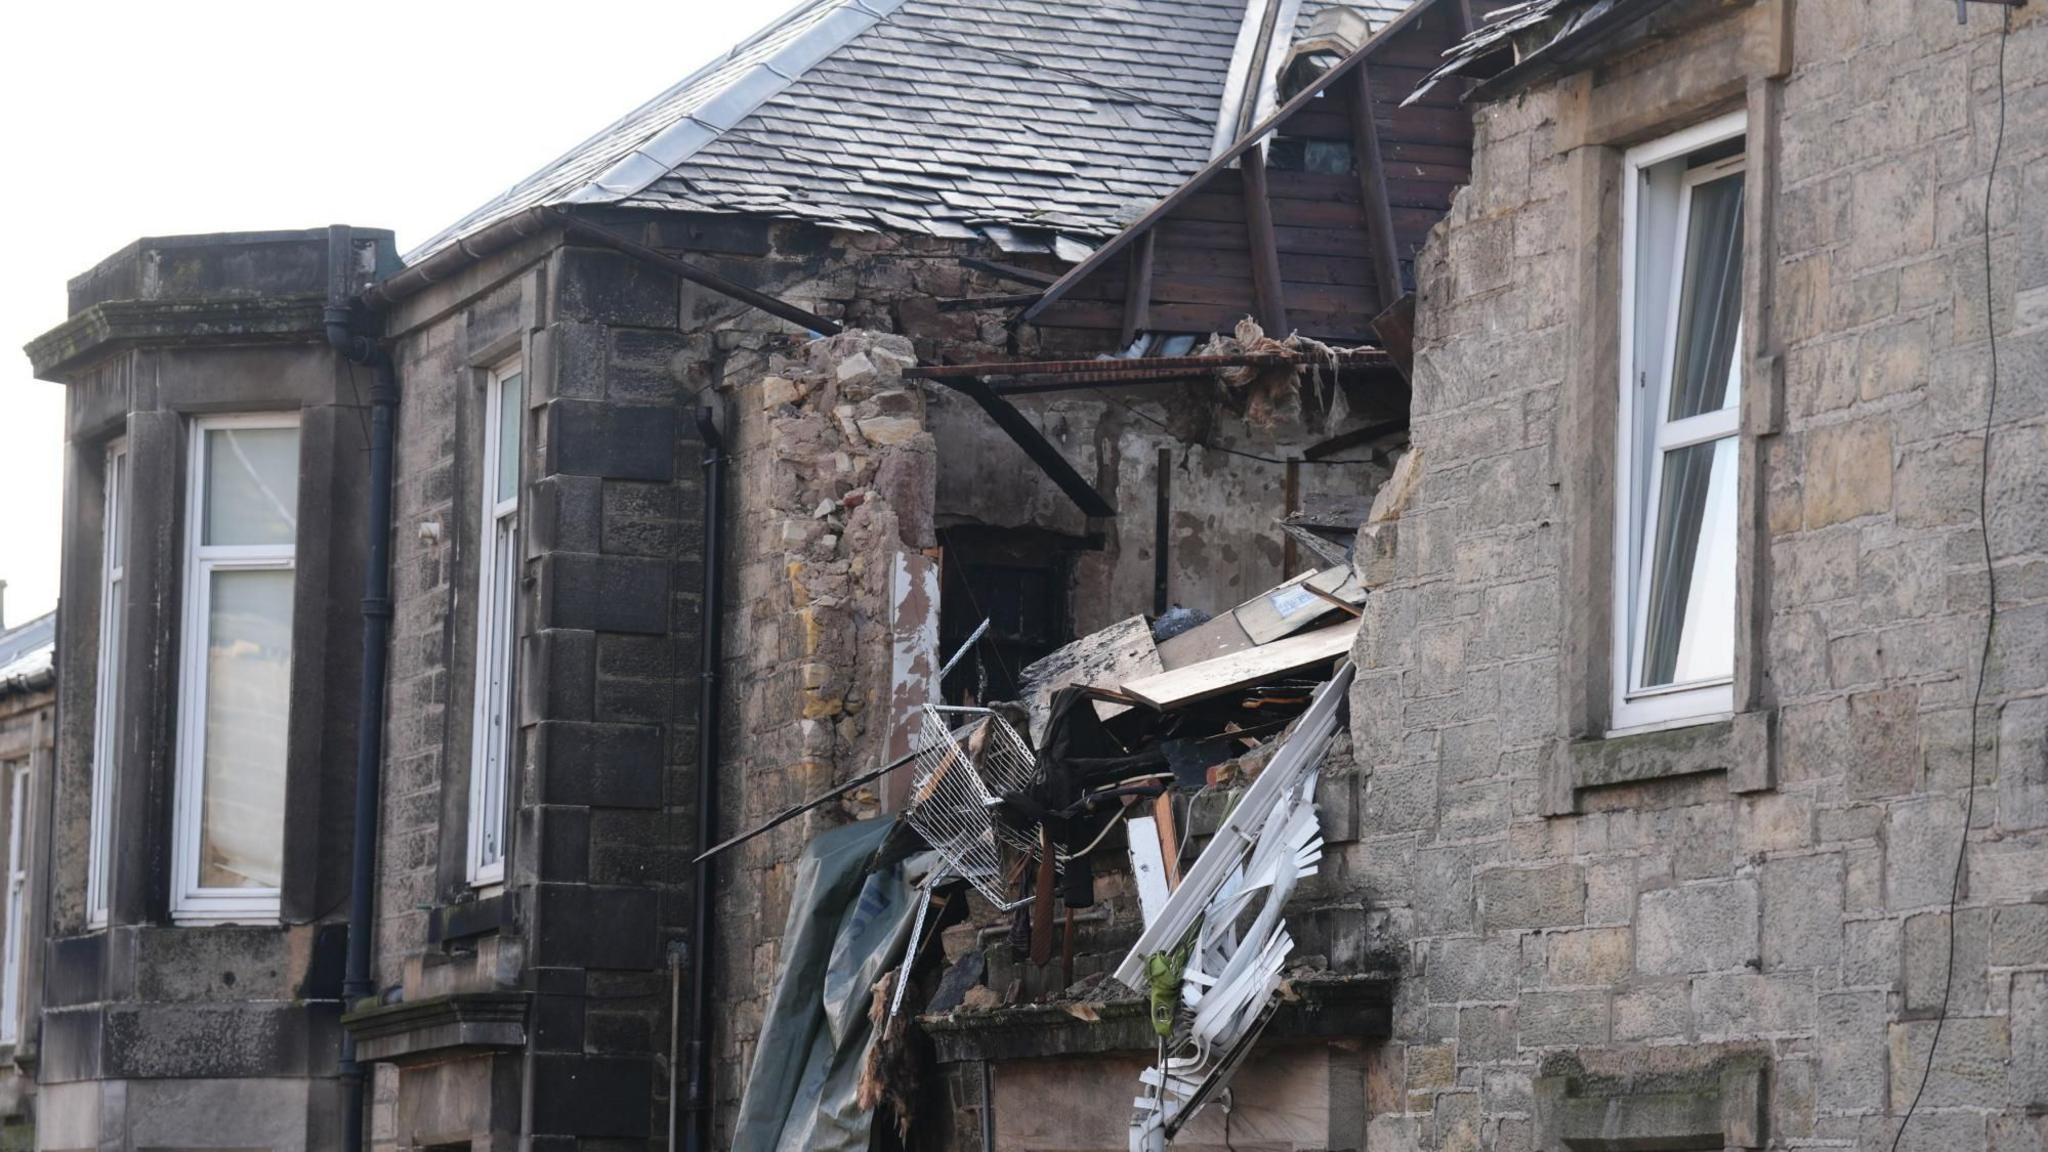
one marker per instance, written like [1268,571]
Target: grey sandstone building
[423,615]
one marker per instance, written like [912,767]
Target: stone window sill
[436,1028]
[1740,745]
[453,923]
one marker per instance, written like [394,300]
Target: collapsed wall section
[829,523]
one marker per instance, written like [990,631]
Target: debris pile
[1115,741]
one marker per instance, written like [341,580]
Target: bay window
[1681,388]
[235,673]
[491,736]
[106,716]
[15,777]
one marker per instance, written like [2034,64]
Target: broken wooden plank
[1327,551]
[913,662]
[1010,271]
[1169,837]
[1244,669]
[1338,602]
[1292,606]
[1219,637]
[1106,658]
[1148,866]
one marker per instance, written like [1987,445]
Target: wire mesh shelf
[970,757]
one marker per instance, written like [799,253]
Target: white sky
[121,119]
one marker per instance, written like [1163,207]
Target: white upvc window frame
[1639,457]
[493,720]
[191,903]
[16,781]
[106,716]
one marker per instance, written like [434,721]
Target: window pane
[1704,373]
[1691,626]
[117,510]
[497,689]
[248,687]
[252,485]
[510,402]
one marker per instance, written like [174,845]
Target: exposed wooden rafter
[1372,175]
[1431,149]
[1258,224]
[1138,291]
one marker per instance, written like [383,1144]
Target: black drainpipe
[356,983]
[698,1137]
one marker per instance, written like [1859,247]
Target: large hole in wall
[1017,579]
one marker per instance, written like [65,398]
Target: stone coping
[105,327]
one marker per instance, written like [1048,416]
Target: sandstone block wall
[1693,923]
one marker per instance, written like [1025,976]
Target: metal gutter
[357,984]
[711,643]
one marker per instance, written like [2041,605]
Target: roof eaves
[669,148]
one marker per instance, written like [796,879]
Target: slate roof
[27,655]
[947,117]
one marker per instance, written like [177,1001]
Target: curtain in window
[248,691]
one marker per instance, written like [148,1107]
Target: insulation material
[1273,392]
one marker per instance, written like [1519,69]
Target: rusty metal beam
[1372,176]
[1026,435]
[1258,224]
[780,309]
[1143,365]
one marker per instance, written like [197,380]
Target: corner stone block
[599,765]
[605,593]
[592,1096]
[614,288]
[566,515]
[615,441]
[595,926]
[558,674]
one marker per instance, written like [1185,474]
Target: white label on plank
[1291,599]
